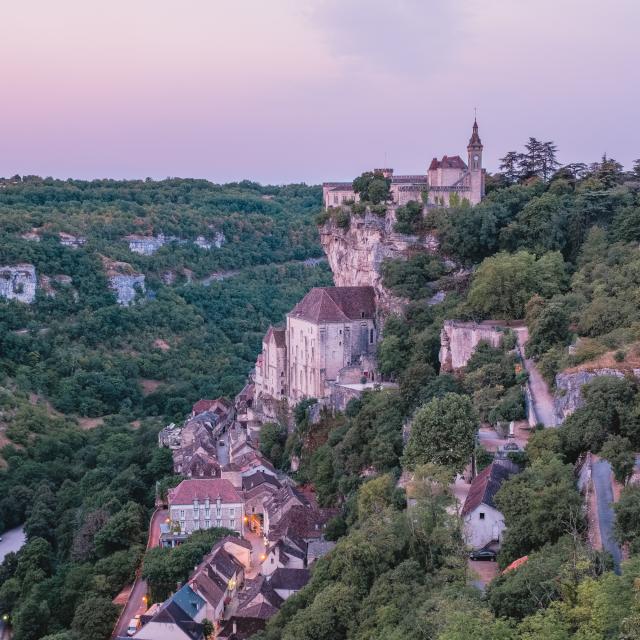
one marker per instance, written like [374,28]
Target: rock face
[18,282]
[568,396]
[458,341]
[126,287]
[145,245]
[356,254]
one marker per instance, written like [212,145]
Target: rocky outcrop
[145,245]
[568,396]
[18,282]
[126,287]
[458,341]
[123,280]
[356,254]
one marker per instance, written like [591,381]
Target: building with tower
[447,180]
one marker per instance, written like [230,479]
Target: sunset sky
[303,90]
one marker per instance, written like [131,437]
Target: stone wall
[568,396]
[18,282]
[458,341]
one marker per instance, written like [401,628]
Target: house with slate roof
[483,522]
[171,622]
[287,581]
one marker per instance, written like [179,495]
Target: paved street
[136,603]
[601,476]
[542,398]
[12,540]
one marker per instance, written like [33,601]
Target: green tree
[505,282]
[443,432]
[619,452]
[94,618]
[627,525]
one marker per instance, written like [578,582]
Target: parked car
[483,554]
[221,443]
[134,624]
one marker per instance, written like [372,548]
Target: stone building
[444,178]
[203,504]
[330,336]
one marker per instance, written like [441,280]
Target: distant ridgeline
[213,264]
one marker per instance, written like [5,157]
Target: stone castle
[436,187]
[330,338]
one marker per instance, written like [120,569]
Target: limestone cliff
[123,280]
[568,396]
[356,254]
[18,282]
[458,341]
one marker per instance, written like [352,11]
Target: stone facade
[18,282]
[331,329]
[458,341]
[443,180]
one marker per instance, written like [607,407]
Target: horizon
[302,92]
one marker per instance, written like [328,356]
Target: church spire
[475,141]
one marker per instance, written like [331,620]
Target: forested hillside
[85,384]
[558,250]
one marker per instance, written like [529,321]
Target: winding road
[541,396]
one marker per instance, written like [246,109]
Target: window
[481,516]
[218,523]
[232,512]
[207,524]
[207,513]
[232,524]
[196,525]
[181,514]
[370,336]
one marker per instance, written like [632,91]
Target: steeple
[475,141]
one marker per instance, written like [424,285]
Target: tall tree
[510,166]
[443,432]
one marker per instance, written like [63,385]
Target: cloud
[408,37]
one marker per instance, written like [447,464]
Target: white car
[134,623]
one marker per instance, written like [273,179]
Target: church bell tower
[474,150]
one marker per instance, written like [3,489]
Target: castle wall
[458,341]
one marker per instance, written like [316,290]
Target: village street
[136,603]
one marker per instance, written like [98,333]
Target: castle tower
[474,150]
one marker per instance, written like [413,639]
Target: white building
[206,503]
[483,522]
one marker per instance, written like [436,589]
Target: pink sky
[308,90]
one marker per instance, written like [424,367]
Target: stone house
[271,367]
[171,622]
[443,179]
[206,503]
[287,581]
[257,488]
[289,552]
[483,522]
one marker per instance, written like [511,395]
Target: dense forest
[85,384]
[558,249]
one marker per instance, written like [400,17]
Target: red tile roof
[448,162]
[487,483]
[220,404]
[278,334]
[213,488]
[336,304]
